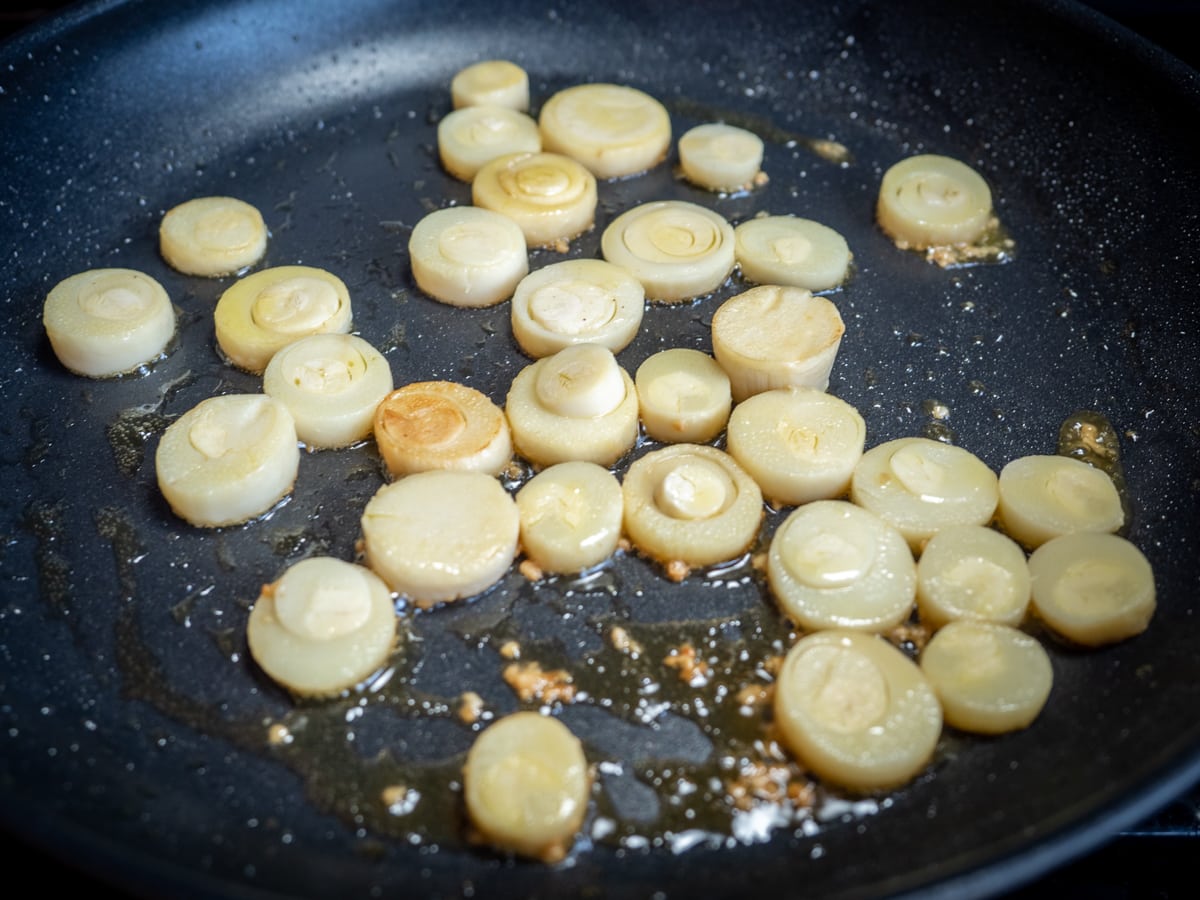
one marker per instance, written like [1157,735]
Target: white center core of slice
[919,474]
[841,689]
[473,244]
[300,305]
[822,558]
[572,307]
[223,428]
[129,301]
[335,603]
[581,381]
[225,230]
[694,488]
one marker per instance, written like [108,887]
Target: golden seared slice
[832,564]
[212,236]
[1042,497]
[921,485]
[323,627]
[720,157]
[467,256]
[441,425]
[990,678]
[552,197]
[1092,588]
[798,443]
[612,129]
[106,322]
[473,136]
[677,250]
[570,516]
[856,711]
[683,396]
[228,459]
[576,404]
[972,572]
[691,504]
[792,251]
[772,337]
[930,201]
[441,535]
[331,384]
[526,783]
[577,301]
[270,308]
[493,82]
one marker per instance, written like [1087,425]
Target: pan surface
[137,736]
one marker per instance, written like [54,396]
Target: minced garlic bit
[532,683]
[692,670]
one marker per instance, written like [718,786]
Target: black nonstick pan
[140,741]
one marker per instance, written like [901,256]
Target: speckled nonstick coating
[133,723]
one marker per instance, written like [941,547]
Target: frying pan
[135,726]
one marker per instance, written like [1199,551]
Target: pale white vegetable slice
[990,678]
[612,129]
[577,404]
[677,250]
[331,384]
[577,301]
[270,308]
[441,425]
[473,136]
[920,486]
[441,535]
[212,236]
[832,564]
[691,504]
[972,572]
[526,783]
[467,256]
[683,396]
[856,711]
[773,336]
[323,627]
[228,459]
[720,157]
[792,251]
[1042,497]
[929,201]
[552,197]
[106,322]
[493,82]
[570,516]
[800,444]
[1092,588]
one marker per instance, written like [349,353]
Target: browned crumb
[677,570]
[531,570]
[513,470]
[622,641]
[470,707]
[754,697]
[393,794]
[278,734]
[623,544]
[760,178]
[758,562]
[561,245]
[770,782]
[772,664]
[531,683]
[913,633]
[510,650]
[830,150]
[691,670]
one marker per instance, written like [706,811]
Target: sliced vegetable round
[683,396]
[1042,497]
[331,384]
[570,516]
[990,678]
[791,251]
[832,564]
[493,82]
[467,256]
[271,308]
[772,337]
[972,572]
[856,711]
[612,129]
[526,783]
[212,236]
[1092,588]
[577,301]
[800,444]
[677,250]
[720,157]
[473,136]
[441,535]
[921,485]
[323,627]
[929,201]
[441,425]
[228,459]
[550,196]
[106,322]
[691,504]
